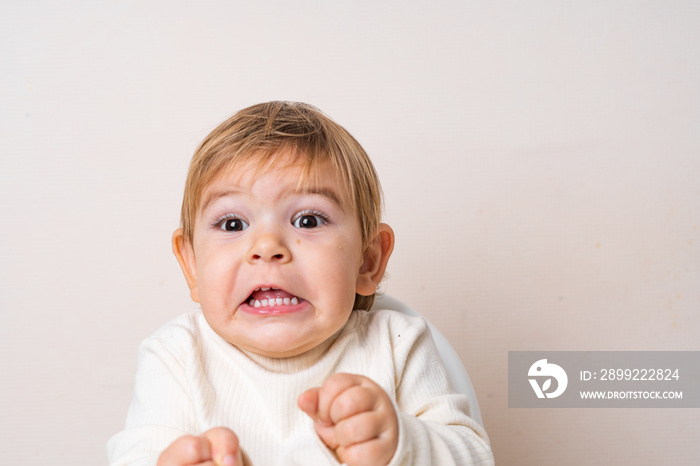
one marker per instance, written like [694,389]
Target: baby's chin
[273,339]
[277,340]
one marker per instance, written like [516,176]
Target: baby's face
[276,268]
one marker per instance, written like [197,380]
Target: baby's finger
[308,402]
[224,446]
[371,452]
[186,450]
[354,400]
[331,388]
[327,434]
[360,428]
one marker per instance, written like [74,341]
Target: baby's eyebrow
[325,192]
[216,195]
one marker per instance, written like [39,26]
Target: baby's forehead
[320,177]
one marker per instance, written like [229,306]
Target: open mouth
[266,296]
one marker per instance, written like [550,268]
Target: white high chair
[456,373]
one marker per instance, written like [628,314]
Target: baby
[281,245]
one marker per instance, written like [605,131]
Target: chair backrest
[456,373]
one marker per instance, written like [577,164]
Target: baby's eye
[233,224]
[309,221]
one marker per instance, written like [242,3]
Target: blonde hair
[261,134]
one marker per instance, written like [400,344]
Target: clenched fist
[355,418]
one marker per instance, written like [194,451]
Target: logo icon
[544,370]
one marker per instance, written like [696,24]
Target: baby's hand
[355,418]
[215,447]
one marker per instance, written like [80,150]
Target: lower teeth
[273,302]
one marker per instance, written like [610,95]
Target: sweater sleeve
[161,409]
[434,423]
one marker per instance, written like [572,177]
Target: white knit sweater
[190,380]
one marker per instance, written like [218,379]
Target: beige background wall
[540,160]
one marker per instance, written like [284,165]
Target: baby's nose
[269,247]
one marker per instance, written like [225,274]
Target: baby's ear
[184,252]
[375,259]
